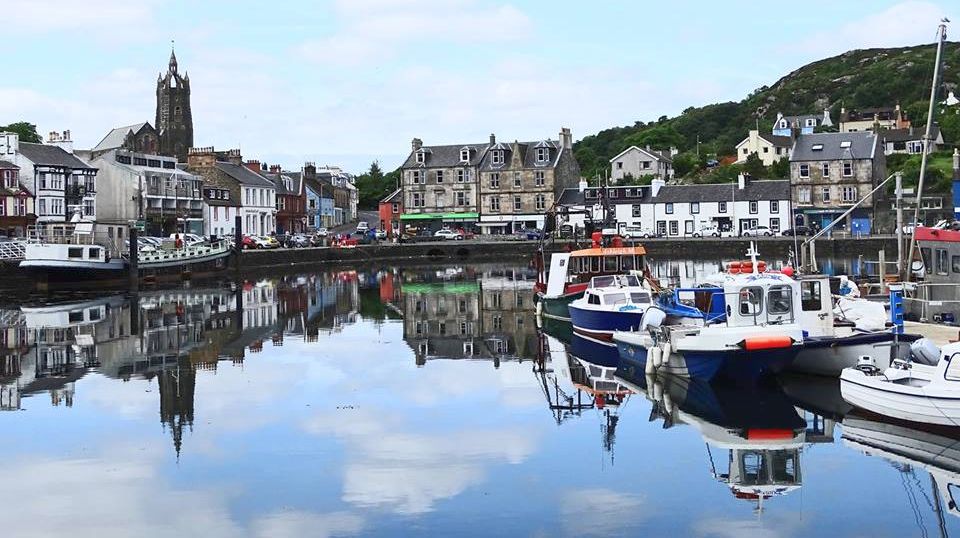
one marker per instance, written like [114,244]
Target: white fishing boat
[908,390]
[610,303]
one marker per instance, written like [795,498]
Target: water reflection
[398,401]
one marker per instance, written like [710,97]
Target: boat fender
[648,368]
[653,356]
[667,350]
[668,404]
[657,392]
[539,308]
[757,343]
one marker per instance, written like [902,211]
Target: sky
[346,82]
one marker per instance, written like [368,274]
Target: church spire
[173,59]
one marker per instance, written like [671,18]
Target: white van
[633,232]
[711,230]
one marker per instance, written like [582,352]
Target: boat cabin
[617,290]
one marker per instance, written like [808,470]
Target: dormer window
[845,144]
[497,157]
[543,155]
[811,122]
[783,124]
[421,157]
[464,155]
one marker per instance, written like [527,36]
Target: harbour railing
[12,250]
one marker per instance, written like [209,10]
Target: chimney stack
[275,168]
[493,139]
[566,139]
[656,185]
[742,181]
[253,165]
[416,144]
[582,185]
[62,141]
[956,164]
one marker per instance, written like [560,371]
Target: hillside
[855,79]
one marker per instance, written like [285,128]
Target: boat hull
[694,367]
[906,402]
[601,324]
[557,307]
[830,355]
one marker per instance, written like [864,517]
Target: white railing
[12,250]
[185,254]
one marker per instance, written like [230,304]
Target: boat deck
[940,334]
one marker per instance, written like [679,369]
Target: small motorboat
[610,303]
[920,390]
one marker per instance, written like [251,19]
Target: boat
[78,251]
[610,303]
[937,298]
[761,332]
[908,390]
[570,273]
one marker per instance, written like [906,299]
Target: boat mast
[941,37]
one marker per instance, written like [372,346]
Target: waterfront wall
[688,248]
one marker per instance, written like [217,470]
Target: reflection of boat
[934,449]
[570,273]
[757,425]
[599,362]
[610,303]
[911,391]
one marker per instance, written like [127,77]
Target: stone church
[174,122]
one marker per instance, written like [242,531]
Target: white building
[636,163]
[685,210]
[61,182]
[769,148]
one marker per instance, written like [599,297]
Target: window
[416,199]
[751,301]
[396,207]
[495,203]
[817,147]
[766,149]
[754,207]
[439,199]
[21,207]
[75,252]
[721,207]
[779,300]
[669,209]
[825,194]
[439,176]
[415,177]
[495,180]
[612,193]
[594,299]
[464,155]
[543,155]
[636,210]
[461,198]
[461,175]
[847,169]
[942,261]
[804,170]
[803,195]
[3,207]
[774,206]
[775,226]
[610,264]
[541,201]
[619,165]
[497,157]
[955,264]
[538,178]
[688,227]
[694,208]
[421,157]
[810,295]
[661,227]
[848,194]
[674,227]
[516,180]
[517,205]
[825,170]
[811,122]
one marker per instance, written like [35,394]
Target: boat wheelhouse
[610,303]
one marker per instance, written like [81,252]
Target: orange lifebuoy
[757,343]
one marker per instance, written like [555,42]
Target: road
[371,216]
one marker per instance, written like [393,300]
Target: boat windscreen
[615,298]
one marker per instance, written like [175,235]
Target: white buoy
[653,355]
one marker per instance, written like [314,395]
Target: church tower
[174,120]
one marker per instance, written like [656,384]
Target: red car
[248,242]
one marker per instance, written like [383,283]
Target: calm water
[407,401]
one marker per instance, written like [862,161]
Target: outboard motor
[924,351]
[867,365]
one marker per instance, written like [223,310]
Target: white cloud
[295,524]
[601,512]
[376,30]
[904,24]
[114,20]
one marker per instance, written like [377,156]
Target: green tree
[684,164]
[27,131]
[658,136]
[754,166]
[780,169]
[374,185]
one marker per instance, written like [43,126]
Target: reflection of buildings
[464,315]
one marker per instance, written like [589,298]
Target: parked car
[381,234]
[530,234]
[249,242]
[298,241]
[447,233]
[798,231]
[757,231]
[710,231]
[633,232]
[321,232]
[467,234]
[271,240]
[363,227]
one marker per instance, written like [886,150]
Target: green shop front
[424,223]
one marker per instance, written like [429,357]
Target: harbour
[415,398]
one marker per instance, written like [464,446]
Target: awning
[461,216]
[420,216]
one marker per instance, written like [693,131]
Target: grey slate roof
[909,134]
[277,180]
[7,164]
[390,197]
[244,175]
[528,155]
[47,155]
[116,137]
[446,156]
[777,141]
[862,146]
[755,190]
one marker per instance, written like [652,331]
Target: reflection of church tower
[174,120]
[176,401]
